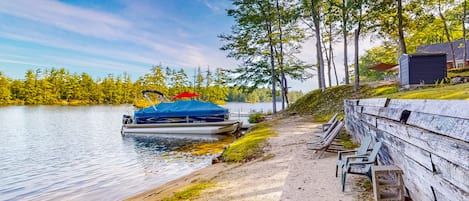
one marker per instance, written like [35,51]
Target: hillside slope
[323,105]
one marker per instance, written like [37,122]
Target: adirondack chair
[329,123]
[362,150]
[323,145]
[364,166]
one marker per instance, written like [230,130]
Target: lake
[77,153]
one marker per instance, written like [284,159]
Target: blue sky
[115,36]
[102,37]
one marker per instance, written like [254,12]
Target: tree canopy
[59,86]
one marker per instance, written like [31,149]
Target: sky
[102,37]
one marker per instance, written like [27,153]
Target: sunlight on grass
[203,148]
[250,145]
[385,90]
[190,193]
[322,105]
[460,91]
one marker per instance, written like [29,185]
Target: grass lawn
[322,105]
[460,91]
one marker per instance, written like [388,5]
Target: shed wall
[422,69]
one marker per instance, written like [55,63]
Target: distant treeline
[59,86]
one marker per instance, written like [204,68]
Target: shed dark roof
[445,49]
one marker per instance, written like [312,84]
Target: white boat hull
[202,128]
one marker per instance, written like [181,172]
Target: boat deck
[209,128]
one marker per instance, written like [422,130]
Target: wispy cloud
[74,19]
[211,5]
[21,62]
[93,63]
[133,39]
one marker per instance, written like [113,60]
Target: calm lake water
[77,153]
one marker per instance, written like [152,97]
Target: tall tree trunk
[272,70]
[280,56]
[326,53]
[356,86]
[319,72]
[329,61]
[400,28]
[357,74]
[345,33]
[286,92]
[272,58]
[315,13]
[447,33]
[464,33]
[335,69]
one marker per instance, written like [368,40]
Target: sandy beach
[290,172]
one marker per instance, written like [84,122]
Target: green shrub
[256,118]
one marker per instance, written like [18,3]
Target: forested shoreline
[60,87]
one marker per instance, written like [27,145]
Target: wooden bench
[330,122]
[322,145]
[326,132]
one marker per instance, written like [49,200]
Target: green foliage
[58,86]
[189,193]
[442,82]
[265,38]
[458,72]
[5,94]
[250,145]
[237,94]
[376,55]
[256,118]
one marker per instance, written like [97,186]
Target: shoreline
[288,171]
[167,189]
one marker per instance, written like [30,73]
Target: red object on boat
[185,95]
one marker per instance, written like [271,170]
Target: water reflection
[77,153]
[165,143]
[162,154]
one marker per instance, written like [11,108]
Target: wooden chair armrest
[348,158]
[340,153]
[360,162]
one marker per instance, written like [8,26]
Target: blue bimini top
[182,108]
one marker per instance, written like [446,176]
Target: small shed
[422,68]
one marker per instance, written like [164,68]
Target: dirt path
[289,171]
[292,174]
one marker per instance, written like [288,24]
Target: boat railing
[240,114]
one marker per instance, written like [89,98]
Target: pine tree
[5,94]
[199,82]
